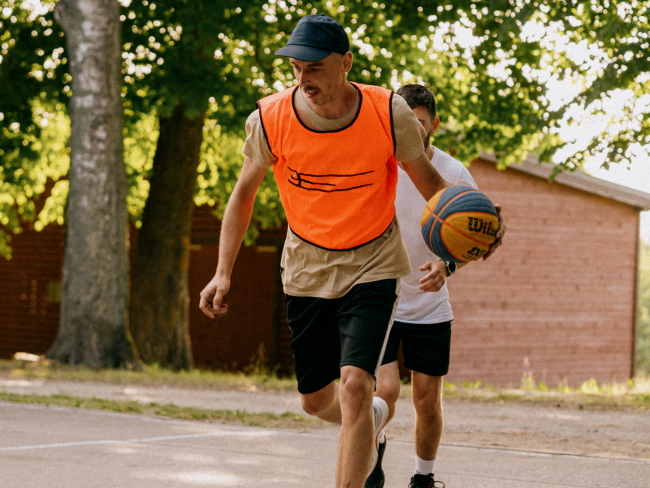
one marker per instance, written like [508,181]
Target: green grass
[633,394]
[148,376]
[240,417]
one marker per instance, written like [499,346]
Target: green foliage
[643,323]
[219,169]
[33,76]
[21,182]
[486,63]
[221,161]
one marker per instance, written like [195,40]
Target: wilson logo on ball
[480,225]
[459,224]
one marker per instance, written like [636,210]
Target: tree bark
[93,327]
[159,279]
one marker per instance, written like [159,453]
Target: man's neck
[339,106]
[429,152]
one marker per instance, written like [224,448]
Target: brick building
[559,296]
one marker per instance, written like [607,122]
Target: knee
[389,392]
[314,405]
[388,384]
[355,389]
[428,404]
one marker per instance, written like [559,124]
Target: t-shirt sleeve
[256,146]
[465,178]
[409,133]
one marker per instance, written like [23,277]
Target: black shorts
[425,347]
[348,331]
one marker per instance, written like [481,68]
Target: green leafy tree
[193,71]
[34,80]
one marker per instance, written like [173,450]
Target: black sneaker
[425,481]
[376,478]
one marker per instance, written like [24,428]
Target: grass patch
[633,394]
[148,376]
[236,417]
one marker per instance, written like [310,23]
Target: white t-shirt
[416,306]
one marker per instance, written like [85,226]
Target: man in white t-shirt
[423,318]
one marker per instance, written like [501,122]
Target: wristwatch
[451,267]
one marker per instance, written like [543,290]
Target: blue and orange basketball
[459,224]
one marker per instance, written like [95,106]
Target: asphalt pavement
[44,446]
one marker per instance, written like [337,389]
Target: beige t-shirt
[311,271]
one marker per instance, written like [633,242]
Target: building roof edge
[580,181]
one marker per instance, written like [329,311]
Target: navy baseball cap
[315,37]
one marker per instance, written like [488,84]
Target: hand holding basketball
[460,224]
[500,233]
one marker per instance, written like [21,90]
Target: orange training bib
[337,188]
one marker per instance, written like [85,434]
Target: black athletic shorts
[425,347]
[348,331]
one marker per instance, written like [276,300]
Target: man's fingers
[502,225]
[432,286]
[211,304]
[499,235]
[205,307]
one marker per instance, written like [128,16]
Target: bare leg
[348,404]
[427,401]
[324,403]
[357,429]
[388,386]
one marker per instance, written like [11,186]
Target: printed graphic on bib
[329,183]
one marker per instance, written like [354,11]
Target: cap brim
[303,53]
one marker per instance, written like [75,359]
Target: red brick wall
[559,292]
[29,288]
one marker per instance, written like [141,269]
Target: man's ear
[434,125]
[346,61]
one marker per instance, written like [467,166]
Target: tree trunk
[159,280]
[93,327]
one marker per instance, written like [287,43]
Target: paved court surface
[60,447]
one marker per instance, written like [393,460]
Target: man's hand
[212,296]
[436,276]
[500,233]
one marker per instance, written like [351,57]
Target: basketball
[459,224]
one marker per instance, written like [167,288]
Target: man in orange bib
[334,147]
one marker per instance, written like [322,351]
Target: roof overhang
[581,181]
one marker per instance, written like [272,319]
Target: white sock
[422,466]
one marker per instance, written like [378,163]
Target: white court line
[98,443]
[233,428]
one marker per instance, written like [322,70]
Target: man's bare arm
[425,177]
[233,228]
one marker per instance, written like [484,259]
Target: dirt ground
[611,432]
[606,433]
